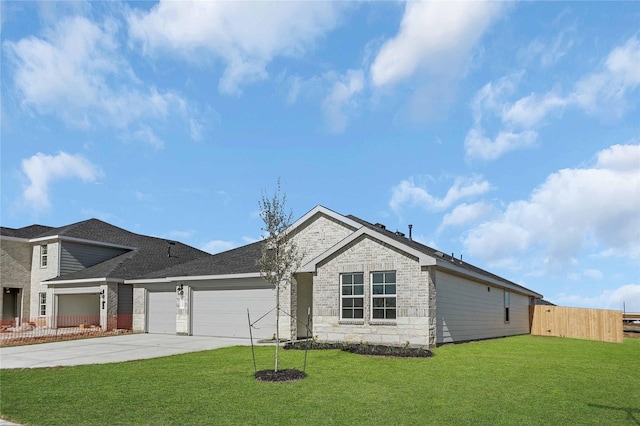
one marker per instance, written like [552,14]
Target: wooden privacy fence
[580,323]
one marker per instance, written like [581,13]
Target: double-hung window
[42,311]
[352,296]
[383,295]
[44,257]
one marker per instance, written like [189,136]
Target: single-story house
[358,282]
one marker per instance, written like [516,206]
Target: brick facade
[413,324]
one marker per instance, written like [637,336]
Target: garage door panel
[77,309]
[224,313]
[162,312]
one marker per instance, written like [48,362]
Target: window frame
[384,296]
[352,296]
[507,306]
[44,255]
[42,304]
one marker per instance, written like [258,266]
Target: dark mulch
[280,375]
[364,349]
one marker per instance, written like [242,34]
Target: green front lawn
[517,380]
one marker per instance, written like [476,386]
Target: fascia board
[452,267]
[80,240]
[216,277]
[16,239]
[147,280]
[193,278]
[323,210]
[423,259]
[84,281]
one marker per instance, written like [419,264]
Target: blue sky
[506,133]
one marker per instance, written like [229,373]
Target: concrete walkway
[102,350]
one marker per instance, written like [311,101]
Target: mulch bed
[280,375]
[364,349]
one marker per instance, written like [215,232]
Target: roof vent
[439,254]
[399,234]
[379,225]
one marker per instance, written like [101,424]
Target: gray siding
[76,256]
[467,310]
[125,306]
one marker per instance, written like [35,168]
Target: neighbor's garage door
[224,313]
[162,312]
[76,309]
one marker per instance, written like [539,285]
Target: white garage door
[224,313]
[76,309]
[162,312]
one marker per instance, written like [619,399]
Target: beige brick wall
[312,238]
[413,323]
[319,235]
[15,272]
[139,319]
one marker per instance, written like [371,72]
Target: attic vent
[379,225]
[171,243]
[399,234]
[439,254]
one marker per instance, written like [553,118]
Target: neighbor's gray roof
[148,253]
[27,232]
[241,260]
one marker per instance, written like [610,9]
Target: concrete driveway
[102,350]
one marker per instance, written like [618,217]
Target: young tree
[280,256]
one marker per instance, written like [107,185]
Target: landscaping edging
[363,349]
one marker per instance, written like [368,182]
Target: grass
[518,380]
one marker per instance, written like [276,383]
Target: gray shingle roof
[431,251]
[149,253]
[27,232]
[241,260]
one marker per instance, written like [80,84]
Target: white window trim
[342,297]
[42,304]
[372,296]
[44,255]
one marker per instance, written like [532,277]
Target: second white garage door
[162,312]
[223,313]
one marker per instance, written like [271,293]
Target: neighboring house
[76,274]
[359,281]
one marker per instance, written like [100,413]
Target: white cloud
[407,193]
[626,295]
[478,146]
[218,246]
[246,36]
[531,110]
[602,93]
[436,37]
[146,135]
[605,92]
[572,210]
[340,99]
[464,214]
[72,72]
[42,170]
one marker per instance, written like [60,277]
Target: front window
[352,296]
[44,259]
[43,304]
[383,295]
